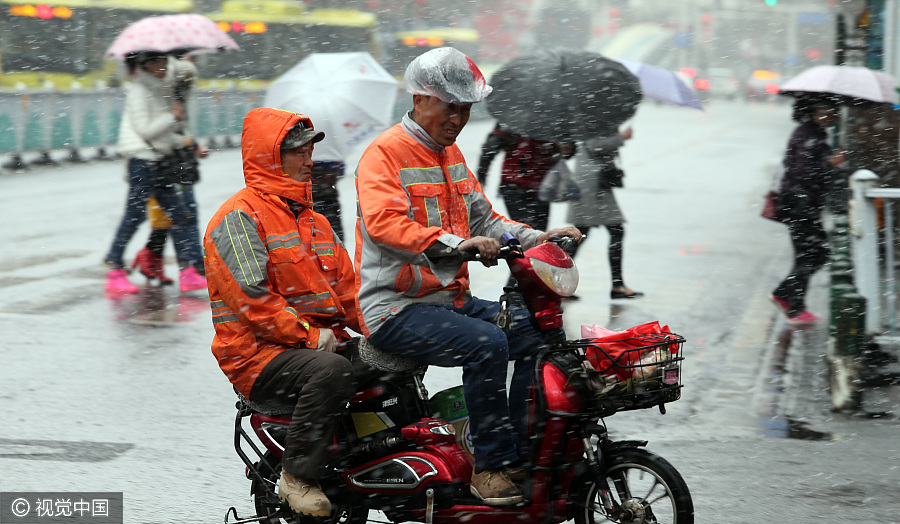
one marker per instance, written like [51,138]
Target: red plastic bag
[616,352]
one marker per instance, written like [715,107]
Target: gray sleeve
[243,252]
[605,146]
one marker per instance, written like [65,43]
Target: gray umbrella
[563,95]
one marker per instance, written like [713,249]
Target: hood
[264,129]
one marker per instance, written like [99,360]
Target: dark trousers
[469,337]
[810,243]
[143,184]
[616,238]
[322,384]
[522,205]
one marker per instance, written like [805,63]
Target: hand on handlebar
[488,248]
[568,231]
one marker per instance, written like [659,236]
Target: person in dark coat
[809,164]
[597,205]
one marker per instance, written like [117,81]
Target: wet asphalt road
[122,394]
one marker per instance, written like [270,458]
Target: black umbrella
[563,95]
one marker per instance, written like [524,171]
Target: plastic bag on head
[448,74]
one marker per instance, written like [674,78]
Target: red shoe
[151,266]
[803,318]
[780,302]
[117,282]
[191,280]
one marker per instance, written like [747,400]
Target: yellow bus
[276,34]
[60,45]
[407,45]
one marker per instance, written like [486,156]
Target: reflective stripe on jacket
[275,275]
[414,195]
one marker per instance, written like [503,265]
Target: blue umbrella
[662,84]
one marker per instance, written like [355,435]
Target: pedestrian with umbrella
[809,163]
[154,125]
[150,128]
[564,96]
[597,175]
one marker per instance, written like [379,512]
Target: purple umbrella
[662,84]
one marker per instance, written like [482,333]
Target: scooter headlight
[561,280]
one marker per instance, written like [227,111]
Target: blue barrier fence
[45,121]
[38,122]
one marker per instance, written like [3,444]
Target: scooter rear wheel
[646,486]
[269,506]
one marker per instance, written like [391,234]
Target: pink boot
[191,280]
[117,282]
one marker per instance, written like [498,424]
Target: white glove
[327,340]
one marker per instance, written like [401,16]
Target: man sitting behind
[282,291]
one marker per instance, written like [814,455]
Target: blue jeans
[143,184]
[469,337]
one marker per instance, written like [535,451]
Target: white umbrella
[848,81]
[349,96]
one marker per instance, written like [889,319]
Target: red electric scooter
[395,456]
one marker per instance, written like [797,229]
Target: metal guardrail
[41,121]
[873,253]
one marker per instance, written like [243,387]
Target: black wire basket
[638,372]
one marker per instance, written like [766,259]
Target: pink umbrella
[847,81]
[167,33]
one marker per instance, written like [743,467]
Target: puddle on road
[783,375]
[75,451]
[158,306]
[782,427]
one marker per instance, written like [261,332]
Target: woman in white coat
[150,128]
[597,205]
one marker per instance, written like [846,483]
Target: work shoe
[191,280]
[782,303]
[803,318]
[518,475]
[117,282]
[495,488]
[304,496]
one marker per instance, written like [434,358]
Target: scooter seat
[270,407]
[378,359]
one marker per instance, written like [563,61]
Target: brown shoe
[518,475]
[304,496]
[494,488]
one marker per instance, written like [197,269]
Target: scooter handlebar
[475,256]
[567,244]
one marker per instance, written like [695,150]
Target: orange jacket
[276,275]
[417,202]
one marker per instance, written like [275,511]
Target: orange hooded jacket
[276,275]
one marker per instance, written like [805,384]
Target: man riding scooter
[419,207]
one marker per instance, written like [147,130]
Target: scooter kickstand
[238,520]
[429,506]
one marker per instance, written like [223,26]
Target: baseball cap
[301,134]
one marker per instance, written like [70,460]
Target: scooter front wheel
[646,488]
[274,511]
